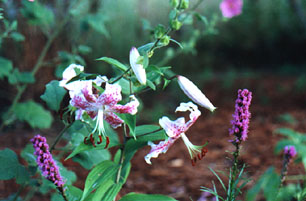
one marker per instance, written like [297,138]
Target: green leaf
[57,197]
[69,176]
[34,114]
[151,84]
[37,14]
[6,66]
[21,77]
[286,132]
[22,175]
[83,49]
[112,192]
[145,62]
[28,155]
[99,175]
[53,95]
[201,18]
[145,197]
[114,62]
[143,129]
[9,164]
[79,9]
[145,48]
[11,168]
[268,182]
[46,186]
[130,121]
[113,141]
[97,22]
[73,193]
[16,36]
[91,157]
[125,86]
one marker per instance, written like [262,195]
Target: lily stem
[121,76]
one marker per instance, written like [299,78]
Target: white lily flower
[194,93]
[137,68]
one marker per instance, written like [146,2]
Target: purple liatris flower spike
[290,152]
[231,8]
[45,161]
[240,123]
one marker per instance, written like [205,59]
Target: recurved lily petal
[157,149]
[194,93]
[68,74]
[192,108]
[130,108]
[173,128]
[138,69]
[113,119]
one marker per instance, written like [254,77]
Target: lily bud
[194,93]
[137,68]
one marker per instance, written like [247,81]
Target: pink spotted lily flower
[176,129]
[231,8]
[85,97]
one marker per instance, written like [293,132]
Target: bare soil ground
[172,173]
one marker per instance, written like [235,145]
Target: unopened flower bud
[174,3]
[194,93]
[137,68]
[175,24]
[165,40]
[184,4]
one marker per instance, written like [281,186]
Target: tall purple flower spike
[240,123]
[46,163]
[290,151]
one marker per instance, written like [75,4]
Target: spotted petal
[130,107]
[113,119]
[111,96]
[172,128]
[194,112]
[157,149]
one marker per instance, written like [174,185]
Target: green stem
[30,194]
[121,76]
[235,171]
[37,66]
[157,40]
[18,192]
[59,137]
[296,177]
[62,192]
